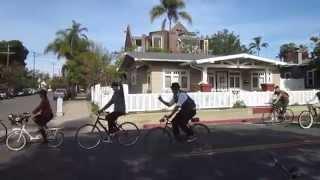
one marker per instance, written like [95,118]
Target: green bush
[239,104]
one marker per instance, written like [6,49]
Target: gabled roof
[169,57]
[238,56]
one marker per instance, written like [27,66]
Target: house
[151,72]
[300,72]
[177,40]
[155,61]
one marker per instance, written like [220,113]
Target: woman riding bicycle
[43,114]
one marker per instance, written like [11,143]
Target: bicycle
[158,139]
[89,136]
[19,137]
[308,117]
[3,132]
[290,173]
[277,116]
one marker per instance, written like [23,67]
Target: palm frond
[265,45]
[164,23]
[184,15]
[156,12]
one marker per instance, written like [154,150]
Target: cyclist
[119,107]
[43,114]
[282,100]
[185,109]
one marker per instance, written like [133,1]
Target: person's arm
[38,108]
[108,104]
[175,110]
[169,104]
[182,98]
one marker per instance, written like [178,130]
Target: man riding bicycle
[185,109]
[316,97]
[119,107]
[43,114]
[282,100]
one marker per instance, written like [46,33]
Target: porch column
[205,75]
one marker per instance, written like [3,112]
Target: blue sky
[35,22]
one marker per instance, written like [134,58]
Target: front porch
[237,72]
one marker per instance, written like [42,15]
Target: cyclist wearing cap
[43,114]
[282,99]
[186,109]
[119,107]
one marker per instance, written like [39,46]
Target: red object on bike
[196,119]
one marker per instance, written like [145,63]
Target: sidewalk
[76,113]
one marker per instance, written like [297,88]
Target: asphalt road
[21,104]
[228,153]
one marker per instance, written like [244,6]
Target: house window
[179,76]
[211,80]
[234,79]
[257,78]
[134,77]
[310,79]
[287,75]
[157,41]
[138,42]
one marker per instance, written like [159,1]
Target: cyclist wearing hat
[117,100]
[185,109]
[282,99]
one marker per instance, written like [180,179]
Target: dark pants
[181,121]
[282,104]
[112,118]
[42,121]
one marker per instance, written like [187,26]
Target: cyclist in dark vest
[119,107]
[185,109]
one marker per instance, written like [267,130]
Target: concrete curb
[215,122]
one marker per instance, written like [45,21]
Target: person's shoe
[191,139]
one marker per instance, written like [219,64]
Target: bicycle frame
[103,119]
[23,131]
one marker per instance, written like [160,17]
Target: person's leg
[175,126]
[111,121]
[183,122]
[41,124]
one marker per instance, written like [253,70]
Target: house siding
[276,77]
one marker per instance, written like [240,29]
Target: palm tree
[257,44]
[170,8]
[69,41]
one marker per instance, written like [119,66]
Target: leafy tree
[257,44]
[288,51]
[69,42]
[226,43]
[316,50]
[172,10]
[19,50]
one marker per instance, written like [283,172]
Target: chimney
[300,56]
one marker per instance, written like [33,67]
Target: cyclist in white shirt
[185,109]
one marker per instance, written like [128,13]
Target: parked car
[60,93]
[3,94]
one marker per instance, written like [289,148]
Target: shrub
[94,108]
[239,104]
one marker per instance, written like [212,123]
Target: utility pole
[8,53]
[34,67]
[53,69]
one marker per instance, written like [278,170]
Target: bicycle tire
[200,129]
[305,119]
[86,133]
[55,140]
[3,132]
[289,116]
[157,141]
[128,134]
[15,136]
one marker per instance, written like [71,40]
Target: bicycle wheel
[289,115]
[3,132]
[200,130]
[128,134]
[16,141]
[55,140]
[88,136]
[305,119]
[157,141]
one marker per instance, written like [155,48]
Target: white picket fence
[204,100]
